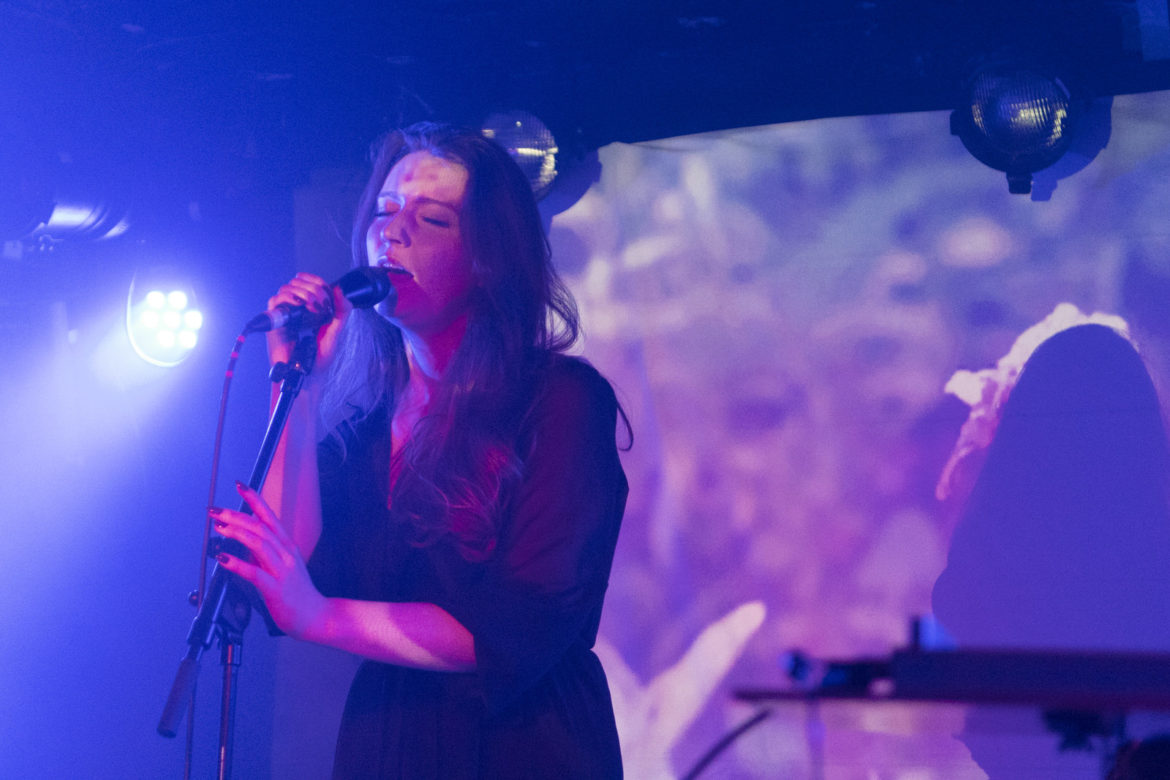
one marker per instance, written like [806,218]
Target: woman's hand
[318,296]
[277,568]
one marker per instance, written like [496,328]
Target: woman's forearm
[418,635]
[414,634]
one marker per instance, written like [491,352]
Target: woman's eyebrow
[419,199]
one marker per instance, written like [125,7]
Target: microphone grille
[366,286]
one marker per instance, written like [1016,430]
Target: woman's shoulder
[573,380]
[573,396]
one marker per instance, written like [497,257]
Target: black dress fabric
[538,704]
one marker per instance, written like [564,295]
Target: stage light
[162,321]
[1016,119]
[74,218]
[530,144]
[47,197]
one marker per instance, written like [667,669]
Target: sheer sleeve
[359,554]
[539,598]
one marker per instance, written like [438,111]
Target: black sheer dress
[538,705]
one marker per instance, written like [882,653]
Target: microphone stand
[226,607]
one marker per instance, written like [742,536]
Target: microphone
[364,287]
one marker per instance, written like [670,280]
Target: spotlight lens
[529,143]
[163,324]
[1020,113]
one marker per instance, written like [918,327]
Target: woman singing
[446,496]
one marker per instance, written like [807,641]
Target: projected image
[780,309]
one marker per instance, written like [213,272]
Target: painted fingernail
[222,557]
[220,524]
[214,511]
[240,486]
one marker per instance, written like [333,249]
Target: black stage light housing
[1016,119]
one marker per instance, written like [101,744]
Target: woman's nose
[391,228]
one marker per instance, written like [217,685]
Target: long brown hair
[461,460]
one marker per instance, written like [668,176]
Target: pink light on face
[416,233]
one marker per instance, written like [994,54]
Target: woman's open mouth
[393,267]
